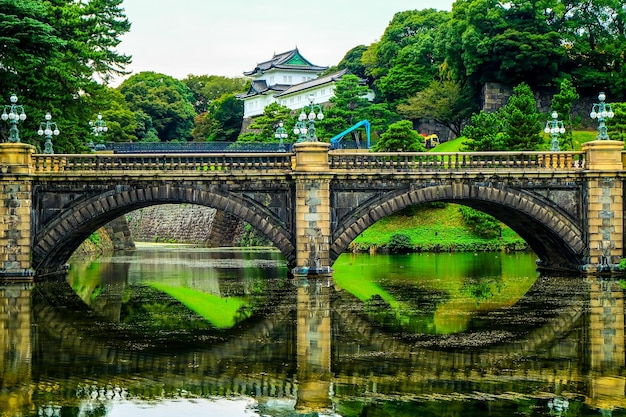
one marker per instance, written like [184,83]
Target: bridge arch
[55,242]
[552,234]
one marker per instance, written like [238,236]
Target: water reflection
[527,345]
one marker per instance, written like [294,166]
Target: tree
[595,34]
[166,100]
[446,102]
[484,133]
[206,88]
[348,106]
[617,125]
[400,137]
[516,126]
[405,61]
[492,41]
[352,60]
[222,122]
[265,125]
[522,121]
[51,56]
[562,103]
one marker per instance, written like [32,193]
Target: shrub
[481,224]
[400,243]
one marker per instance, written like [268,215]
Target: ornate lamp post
[281,135]
[554,127]
[97,129]
[602,111]
[14,115]
[48,128]
[306,132]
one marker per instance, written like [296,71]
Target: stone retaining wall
[184,223]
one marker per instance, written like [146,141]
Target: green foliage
[252,237]
[400,243]
[483,225]
[515,127]
[95,238]
[222,122]
[410,35]
[353,62]
[264,126]
[522,121]
[617,125]
[484,133]
[435,230]
[208,88]
[562,103]
[446,102]
[166,100]
[52,55]
[400,137]
[512,42]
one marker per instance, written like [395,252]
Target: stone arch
[551,233]
[58,239]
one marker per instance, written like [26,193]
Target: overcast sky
[228,37]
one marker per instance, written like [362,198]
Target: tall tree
[222,122]
[165,99]
[512,42]
[405,59]
[348,106]
[562,103]
[484,133]
[53,53]
[595,35]
[522,121]
[515,127]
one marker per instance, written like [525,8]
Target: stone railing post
[604,204]
[312,175]
[15,209]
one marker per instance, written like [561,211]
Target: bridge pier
[312,208]
[15,211]
[604,204]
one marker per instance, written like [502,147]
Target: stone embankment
[167,223]
[184,223]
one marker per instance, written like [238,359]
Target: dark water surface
[181,331]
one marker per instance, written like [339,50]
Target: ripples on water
[173,330]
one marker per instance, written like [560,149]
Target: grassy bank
[433,229]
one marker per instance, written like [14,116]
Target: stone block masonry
[184,223]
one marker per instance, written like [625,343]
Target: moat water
[172,330]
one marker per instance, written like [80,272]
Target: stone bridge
[313,202]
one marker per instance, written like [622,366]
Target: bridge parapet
[161,162]
[439,161]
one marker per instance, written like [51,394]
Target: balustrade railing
[163,162]
[431,161]
[386,161]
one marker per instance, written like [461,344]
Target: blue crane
[335,140]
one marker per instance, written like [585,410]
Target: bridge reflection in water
[315,352]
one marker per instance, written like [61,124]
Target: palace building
[287,79]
